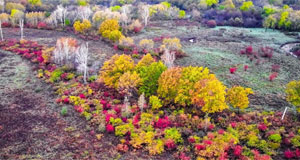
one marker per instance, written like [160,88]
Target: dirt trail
[31,126]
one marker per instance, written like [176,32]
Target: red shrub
[289,154]
[82,96]
[233,124]
[211,23]
[232,70]
[109,128]
[42,25]
[66,100]
[137,29]
[246,67]
[6,25]
[221,131]
[162,123]
[249,50]
[267,52]
[273,76]
[262,127]
[199,147]
[275,68]
[237,151]
[191,140]
[170,144]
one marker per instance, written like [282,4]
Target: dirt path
[31,126]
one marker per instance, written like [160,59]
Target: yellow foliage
[172,44]
[238,97]
[155,148]
[129,81]
[10,6]
[4,17]
[126,41]
[147,44]
[293,93]
[114,68]
[109,25]
[141,137]
[47,53]
[82,27]
[168,84]
[34,17]
[209,95]
[147,60]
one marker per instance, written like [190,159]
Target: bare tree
[21,24]
[142,102]
[84,12]
[64,53]
[168,58]
[82,60]
[2,3]
[145,13]
[1,33]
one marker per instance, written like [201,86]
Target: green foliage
[82,2]
[181,14]
[269,10]
[121,130]
[155,102]
[64,111]
[211,2]
[115,8]
[166,4]
[283,21]
[296,141]
[55,75]
[174,134]
[149,76]
[68,22]
[275,138]
[35,2]
[246,6]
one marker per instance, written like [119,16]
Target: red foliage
[246,67]
[78,109]
[199,147]
[6,25]
[249,50]
[258,156]
[297,153]
[42,25]
[208,142]
[232,70]
[262,127]
[116,47]
[66,100]
[191,140]
[82,96]
[289,154]
[275,68]
[170,144]
[109,128]
[137,29]
[233,124]
[211,23]
[211,127]
[221,131]
[122,148]
[267,52]
[182,156]
[163,123]
[237,151]
[273,76]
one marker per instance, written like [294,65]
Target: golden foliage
[82,27]
[293,93]
[10,6]
[238,97]
[147,60]
[147,44]
[114,68]
[209,95]
[108,25]
[129,81]
[172,44]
